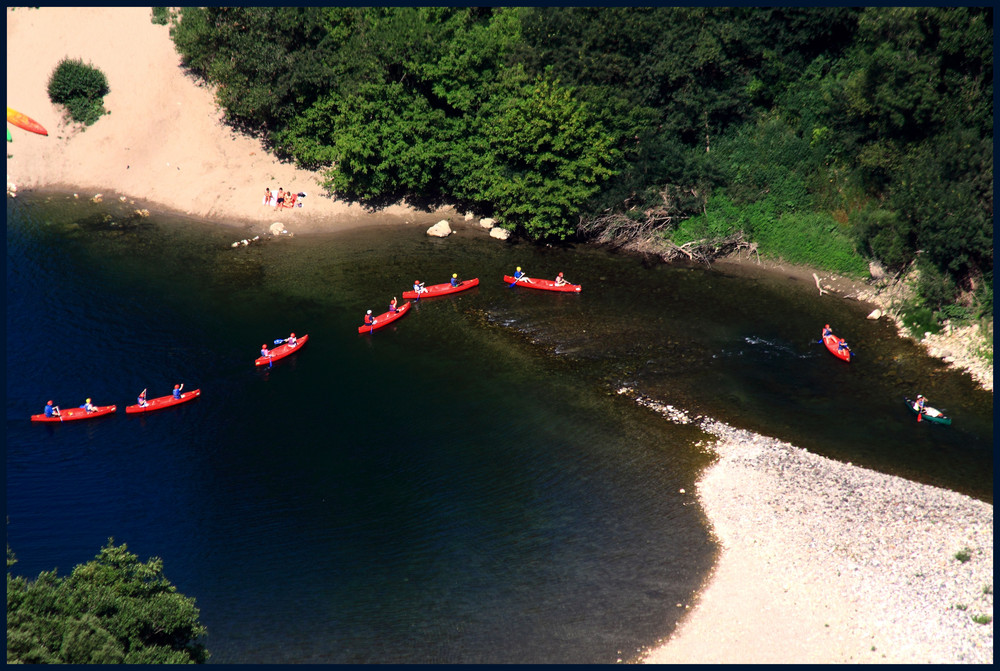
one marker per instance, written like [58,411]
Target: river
[462,486]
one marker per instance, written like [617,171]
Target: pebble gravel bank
[825,562]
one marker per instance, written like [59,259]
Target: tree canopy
[866,131]
[112,610]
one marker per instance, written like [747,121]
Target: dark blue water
[463,486]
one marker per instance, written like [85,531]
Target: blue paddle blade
[279,341]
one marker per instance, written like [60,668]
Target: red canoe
[442,289]
[831,344]
[547,285]
[281,351]
[27,123]
[385,319]
[163,402]
[76,413]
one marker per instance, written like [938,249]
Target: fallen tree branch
[821,289]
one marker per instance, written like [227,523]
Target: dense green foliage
[111,610]
[161,15]
[80,88]
[830,136]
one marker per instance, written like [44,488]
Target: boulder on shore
[499,233]
[487,223]
[875,314]
[440,229]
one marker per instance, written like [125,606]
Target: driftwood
[821,289]
[645,237]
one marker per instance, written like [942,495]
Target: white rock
[469,216]
[487,222]
[875,314]
[277,228]
[440,229]
[499,233]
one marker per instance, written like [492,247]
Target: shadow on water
[463,486]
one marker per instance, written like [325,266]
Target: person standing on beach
[280,202]
[268,196]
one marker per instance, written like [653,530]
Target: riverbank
[825,562]
[164,142]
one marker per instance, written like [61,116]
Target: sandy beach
[163,143]
[820,562]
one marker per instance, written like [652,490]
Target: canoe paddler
[369,319]
[141,401]
[418,287]
[51,410]
[842,346]
[454,280]
[921,402]
[519,276]
[291,340]
[265,352]
[560,280]
[89,407]
[827,331]
[392,304]
[177,390]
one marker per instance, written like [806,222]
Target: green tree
[111,610]
[542,157]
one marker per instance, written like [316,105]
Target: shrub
[161,15]
[919,320]
[80,88]
[982,619]
[963,555]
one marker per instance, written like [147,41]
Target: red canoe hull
[385,319]
[545,285]
[163,402]
[281,351]
[442,289]
[27,123]
[71,414]
[831,344]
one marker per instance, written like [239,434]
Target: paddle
[515,281]
[280,340]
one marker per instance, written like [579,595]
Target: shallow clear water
[462,486]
